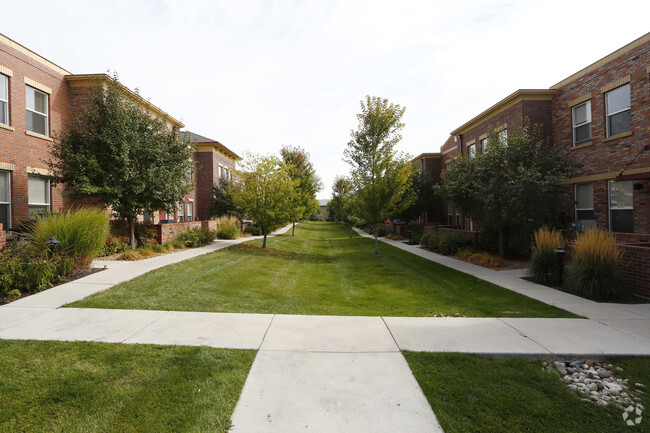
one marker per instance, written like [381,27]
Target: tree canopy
[379,173]
[222,203]
[116,152]
[264,191]
[511,181]
[303,201]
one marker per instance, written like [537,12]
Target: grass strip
[318,271]
[100,387]
[471,394]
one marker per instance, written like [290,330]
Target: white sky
[256,75]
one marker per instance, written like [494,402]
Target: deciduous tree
[380,175]
[116,152]
[308,183]
[514,179]
[264,191]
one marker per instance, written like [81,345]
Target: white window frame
[48,203]
[47,110]
[502,136]
[8,203]
[484,143]
[190,211]
[609,204]
[5,110]
[608,114]
[577,209]
[587,105]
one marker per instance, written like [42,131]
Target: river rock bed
[600,383]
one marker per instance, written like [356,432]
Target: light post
[560,252]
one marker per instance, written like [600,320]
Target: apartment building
[37,98]
[214,162]
[600,118]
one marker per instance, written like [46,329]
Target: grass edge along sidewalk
[472,394]
[320,271]
[82,386]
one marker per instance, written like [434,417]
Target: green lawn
[469,394]
[99,387]
[318,271]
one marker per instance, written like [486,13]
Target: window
[471,150]
[502,136]
[621,204]
[181,212]
[617,105]
[584,201]
[37,109]
[220,172]
[450,214]
[484,143]
[38,194]
[581,123]
[190,210]
[5,199]
[4,99]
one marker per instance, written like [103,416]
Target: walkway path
[331,373]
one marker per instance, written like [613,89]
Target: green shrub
[446,243]
[115,245]
[29,270]
[82,233]
[159,248]
[253,230]
[543,264]
[145,233]
[380,229]
[593,272]
[196,237]
[228,233]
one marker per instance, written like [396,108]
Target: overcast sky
[256,75]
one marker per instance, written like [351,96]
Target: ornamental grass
[543,264]
[593,272]
[82,233]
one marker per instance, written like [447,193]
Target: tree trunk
[132,231]
[376,241]
[264,242]
[293,229]
[501,251]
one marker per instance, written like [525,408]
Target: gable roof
[201,140]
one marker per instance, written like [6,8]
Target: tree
[264,191]
[117,153]
[380,175]
[222,203]
[302,172]
[340,206]
[424,196]
[511,181]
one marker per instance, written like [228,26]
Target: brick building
[601,118]
[432,164]
[214,162]
[37,98]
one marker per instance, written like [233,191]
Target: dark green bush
[196,237]
[228,233]
[145,233]
[446,243]
[253,230]
[30,271]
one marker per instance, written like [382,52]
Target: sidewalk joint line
[259,348]
[391,333]
[165,313]
[524,335]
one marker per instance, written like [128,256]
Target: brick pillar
[3,237]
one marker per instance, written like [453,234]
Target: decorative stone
[575,363]
[604,374]
[560,367]
[570,370]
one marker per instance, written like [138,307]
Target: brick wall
[207,177]
[168,232]
[602,158]
[635,268]
[3,237]
[18,150]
